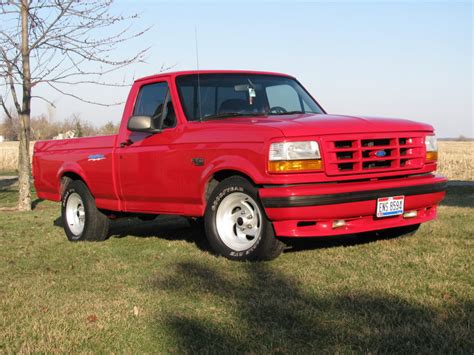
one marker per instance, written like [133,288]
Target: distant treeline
[42,127]
[461,138]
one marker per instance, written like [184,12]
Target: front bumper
[309,210]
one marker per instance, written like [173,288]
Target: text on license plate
[390,206]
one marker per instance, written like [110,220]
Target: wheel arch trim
[68,170]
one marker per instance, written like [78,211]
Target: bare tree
[52,43]
[109,128]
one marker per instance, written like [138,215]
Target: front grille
[373,153]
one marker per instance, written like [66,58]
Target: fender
[228,162]
[70,167]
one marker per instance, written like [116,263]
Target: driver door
[145,160]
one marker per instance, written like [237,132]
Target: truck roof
[190,72]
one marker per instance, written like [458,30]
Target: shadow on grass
[9,193]
[460,195]
[265,311]
[163,227]
[7,183]
[36,202]
[300,244]
[180,228]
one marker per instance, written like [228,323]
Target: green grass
[155,287]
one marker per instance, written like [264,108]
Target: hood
[319,124]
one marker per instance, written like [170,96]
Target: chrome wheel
[75,214]
[239,221]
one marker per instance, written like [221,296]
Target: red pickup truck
[251,152]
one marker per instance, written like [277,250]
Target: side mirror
[142,124]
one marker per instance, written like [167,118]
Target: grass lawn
[155,287]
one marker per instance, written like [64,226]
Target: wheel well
[218,177]
[66,177]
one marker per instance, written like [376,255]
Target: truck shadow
[180,228]
[164,227]
[459,194]
[349,240]
[265,311]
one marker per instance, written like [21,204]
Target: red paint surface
[156,175]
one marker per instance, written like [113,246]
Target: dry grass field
[456,159]
[9,156]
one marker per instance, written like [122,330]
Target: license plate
[390,206]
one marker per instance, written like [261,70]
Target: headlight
[294,156]
[431,148]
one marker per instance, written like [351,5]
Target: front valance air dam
[346,197]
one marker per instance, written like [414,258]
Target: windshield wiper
[229,115]
[289,113]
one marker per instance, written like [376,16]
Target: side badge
[96,157]
[198,161]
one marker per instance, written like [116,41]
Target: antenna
[197,65]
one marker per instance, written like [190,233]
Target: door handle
[126,143]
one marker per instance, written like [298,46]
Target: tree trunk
[24,170]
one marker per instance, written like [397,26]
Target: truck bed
[54,158]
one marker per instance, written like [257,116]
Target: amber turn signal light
[431,156]
[284,166]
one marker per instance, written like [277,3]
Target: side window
[154,100]
[284,96]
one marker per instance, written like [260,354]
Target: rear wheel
[236,224]
[80,216]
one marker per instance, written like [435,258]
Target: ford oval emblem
[380,153]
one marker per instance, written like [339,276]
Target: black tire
[265,245]
[95,223]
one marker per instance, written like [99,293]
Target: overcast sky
[404,59]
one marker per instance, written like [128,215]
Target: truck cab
[251,153]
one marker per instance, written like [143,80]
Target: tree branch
[7,112]
[44,99]
[12,89]
[46,31]
[82,99]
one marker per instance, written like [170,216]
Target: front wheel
[236,225]
[80,216]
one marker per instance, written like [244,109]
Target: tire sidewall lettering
[66,195]
[224,193]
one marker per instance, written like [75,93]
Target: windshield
[215,96]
